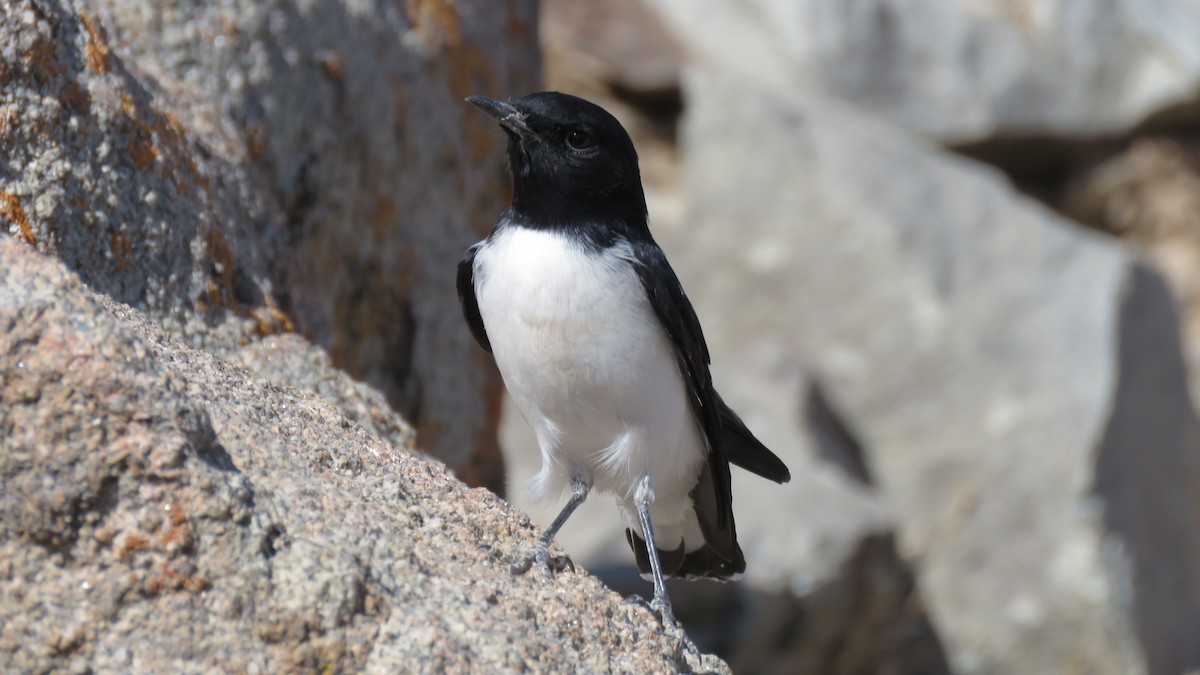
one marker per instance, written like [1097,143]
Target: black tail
[703,563]
[719,557]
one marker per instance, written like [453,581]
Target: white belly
[586,360]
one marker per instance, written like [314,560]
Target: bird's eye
[579,140]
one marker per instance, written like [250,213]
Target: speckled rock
[164,511]
[291,361]
[239,169]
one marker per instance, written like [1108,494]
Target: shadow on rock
[869,619]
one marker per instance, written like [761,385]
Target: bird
[601,350]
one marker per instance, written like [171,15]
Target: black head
[572,162]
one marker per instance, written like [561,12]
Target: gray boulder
[962,70]
[1016,382]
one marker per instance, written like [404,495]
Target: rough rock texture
[291,361]
[962,70]
[244,168]
[164,511]
[1016,382]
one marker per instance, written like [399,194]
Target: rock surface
[245,168]
[291,361]
[962,70]
[164,511]
[188,484]
[619,44]
[1016,382]
[1149,194]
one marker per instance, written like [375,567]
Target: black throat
[601,214]
[601,221]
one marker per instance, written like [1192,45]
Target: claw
[662,607]
[580,485]
[541,555]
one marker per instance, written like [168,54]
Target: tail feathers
[746,451]
[703,563]
[719,557]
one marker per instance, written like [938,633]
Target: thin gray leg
[642,498]
[540,552]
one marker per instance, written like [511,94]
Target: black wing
[679,319]
[466,297]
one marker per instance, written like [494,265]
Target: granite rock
[241,169]
[165,511]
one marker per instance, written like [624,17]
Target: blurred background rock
[945,254]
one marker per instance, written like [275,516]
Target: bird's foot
[662,607]
[540,553]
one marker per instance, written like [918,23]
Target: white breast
[588,363]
